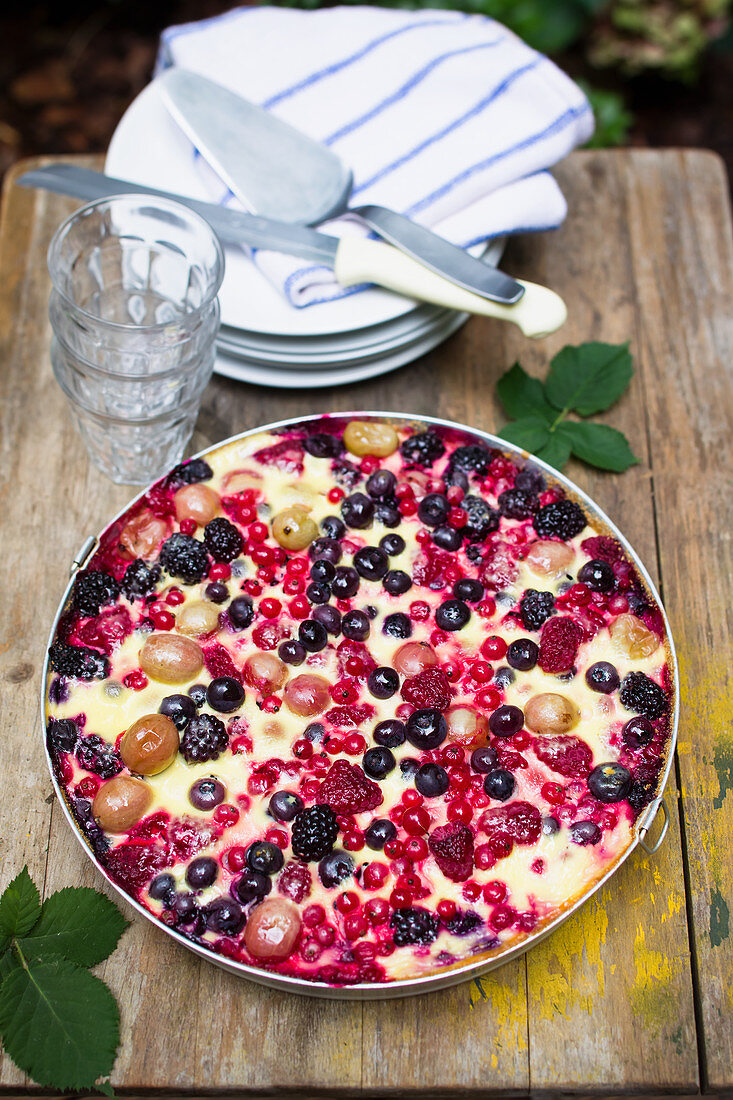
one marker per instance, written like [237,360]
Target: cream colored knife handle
[538,312]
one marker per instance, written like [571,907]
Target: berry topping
[585,833]
[95,755]
[205,738]
[378,762]
[535,607]
[225,694]
[222,540]
[561,519]
[519,820]
[78,662]
[641,694]
[452,846]
[517,504]
[522,654]
[430,688]
[473,458]
[347,790]
[637,732]
[602,677]
[559,644]
[357,510]
[565,754]
[322,445]
[295,882]
[431,780]
[190,472]
[480,519]
[185,557]
[610,782]
[426,729]
[413,926]
[452,615]
[422,449]
[597,575]
[499,784]
[92,590]
[264,858]
[383,682]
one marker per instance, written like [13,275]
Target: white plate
[149,148]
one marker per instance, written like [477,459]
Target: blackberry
[185,557]
[422,449]
[62,734]
[314,833]
[562,519]
[346,474]
[95,755]
[482,520]
[517,504]
[474,459]
[535,607]
[413,926]
[463,923]
[78,661]
[530,481]
[223,540]
[189,472]
[205,739]
[92,590]
[641,694]
[139,579]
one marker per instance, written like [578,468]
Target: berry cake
[356,701]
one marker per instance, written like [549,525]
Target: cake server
[279,172]
[354,259]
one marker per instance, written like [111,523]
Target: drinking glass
[134,313]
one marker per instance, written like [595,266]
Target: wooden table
[634,994]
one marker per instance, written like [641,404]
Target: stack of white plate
[263,339]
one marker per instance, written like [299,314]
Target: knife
[354,260]
[279,172]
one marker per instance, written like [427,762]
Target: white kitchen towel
[446,117]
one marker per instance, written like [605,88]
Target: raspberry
[535,607]
[413,926]
[189,837]
[139,579]
[562,519]
[108,630]
[347,790]
[95,755]
[605,548]
[314,833]
[642,695]
[189,472]
[430,688]
[565,754]
[133,865]
[500,567]
[286,455]
[185,557]
[78,662]
[92,590]
[346,717]
[519,820]
[517,504]
[559,643]
[295,881]
[218,661]
[422,449]
[452,846]
[222,540]
[205,738]
[482,520]
[474,459]
[430,568]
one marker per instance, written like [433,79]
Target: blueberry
[334,868]
[325,549]
[452,615]
[506,721]
[426,728]
[265,858]
[162,888]
[371,563]
[383,682]
[63,734]
[379,832]
[597,575]
[585,832]
[322,570]
[468,589]
[180,708]
[602,677]
[483,759]
[322,445]
[201,872]
[610,782]
[433,509]
[357,510]
[378,762]
[217,592]
[223,915]
[252,886]
[380,484]
[291,652]
[637,732]
[197,693]
[345,583]
[315,732]
[207,794]
[240,612]
[333,527]
[327,616]
[185,908]
[432,780]
[397,582]
[390,733]
[312,635]
[392,544]
[550,825]
[318,593]
[499,784]
[387,514]
[522,654]
[447,538]
[371,611]
[355,625]
[397,625]
[225,694]
[409,768]
[503,677]
[284,805]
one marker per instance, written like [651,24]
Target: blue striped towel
[447,117]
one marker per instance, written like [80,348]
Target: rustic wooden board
[607,1003]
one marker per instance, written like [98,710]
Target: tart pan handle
[651,816]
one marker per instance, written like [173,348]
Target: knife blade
[355,260]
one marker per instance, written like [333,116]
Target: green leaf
[600,445]
[522,395]
[20,907]
[556,451]
[613,120]
[589,378]
[59,1024]
[529,433]
[8,963]
[77,923]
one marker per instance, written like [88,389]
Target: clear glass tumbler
[134,313]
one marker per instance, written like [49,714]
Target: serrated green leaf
[588,379]
[529,433]
[20,906]
[8,963]
[600,445]
[59,1024]
[556,451]
[521,395]
[77,923]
